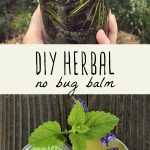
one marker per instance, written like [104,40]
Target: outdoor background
[133,18]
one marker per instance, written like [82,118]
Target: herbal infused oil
[96,145]
[73,21]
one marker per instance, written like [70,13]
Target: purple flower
[83,103]
[108,138]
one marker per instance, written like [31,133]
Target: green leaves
[100,123]
[77,115]
[78,141]
[84,126]
[47,135]
[91,125]
[76,119]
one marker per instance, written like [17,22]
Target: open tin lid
[29,147]
[65,147]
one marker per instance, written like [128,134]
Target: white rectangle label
[75,69]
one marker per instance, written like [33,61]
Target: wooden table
[20,114]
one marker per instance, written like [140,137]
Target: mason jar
[73,21]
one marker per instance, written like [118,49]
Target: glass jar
[73,21]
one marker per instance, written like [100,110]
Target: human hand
[102,38]
[34,34]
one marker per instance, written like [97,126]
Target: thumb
[102,38]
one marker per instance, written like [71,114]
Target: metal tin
[28,147]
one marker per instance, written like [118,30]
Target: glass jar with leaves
[89,130]
[73,21]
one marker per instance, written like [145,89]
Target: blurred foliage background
[15,17]
[133,17]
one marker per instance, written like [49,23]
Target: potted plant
[88,130]
[73,21]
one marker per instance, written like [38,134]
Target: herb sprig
[84,126]
[94,12]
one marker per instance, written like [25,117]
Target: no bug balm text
[75,64]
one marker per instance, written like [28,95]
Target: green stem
[73,98]
[67,132]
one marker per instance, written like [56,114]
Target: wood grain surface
[21,114]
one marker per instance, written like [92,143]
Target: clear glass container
[73,21]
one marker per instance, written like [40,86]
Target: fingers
[36,20]
[34,33]
[102,38]
[112,28]
[112,32]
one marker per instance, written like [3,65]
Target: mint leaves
[90,125]
[76,119]
[77,115]
[84,126]
[100,123]
[78,141]
[47,135]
